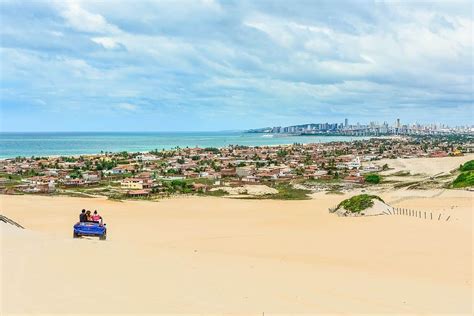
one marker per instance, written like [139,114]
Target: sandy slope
[212,255]
[425,166]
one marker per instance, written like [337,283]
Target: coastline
[149,141]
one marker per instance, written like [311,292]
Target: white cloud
[106,42]
[248,56]
[127,106]
[83,20]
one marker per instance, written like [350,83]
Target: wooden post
[448,218]
[439,217]
[431,215]
[425,215]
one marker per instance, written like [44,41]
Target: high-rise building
[346,122]
[398,123]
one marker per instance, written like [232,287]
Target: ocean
[76,143]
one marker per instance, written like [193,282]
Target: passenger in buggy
[96,217]
[82,216]
[86,216]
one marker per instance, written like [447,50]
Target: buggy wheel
[103,237]
[74,235]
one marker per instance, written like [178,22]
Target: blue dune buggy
[90,229]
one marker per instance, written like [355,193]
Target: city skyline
[347,127]
[215,65]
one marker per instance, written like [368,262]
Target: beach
[219,255]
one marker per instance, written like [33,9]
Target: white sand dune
[425,166]
[217,255]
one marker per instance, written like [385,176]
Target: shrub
[468,166]
[358,203]
[465,179]
[372,178]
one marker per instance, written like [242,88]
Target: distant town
[286,171]
[370,129]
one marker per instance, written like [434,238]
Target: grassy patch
[359,203]
[287,192]
[219,192]
[116,197]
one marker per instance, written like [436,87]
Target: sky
[204,65]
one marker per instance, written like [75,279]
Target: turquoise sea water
[75,143]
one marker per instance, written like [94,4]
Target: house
[39,185]
[146,158]
[242,172]
[136,183]
[457,152]
[438,154]
[371,168]
[251,179]
[91,177]
[123,169]
[354,164]
[190,174]
[228,172]
[69,182]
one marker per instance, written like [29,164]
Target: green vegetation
[358,203]
[372,178]
[282,153]
[219,192]
[212,150]
[468,166]
[287,192]
[14,177]
[176,186]
[105,165]
[465,179]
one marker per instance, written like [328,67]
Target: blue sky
[224,65]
